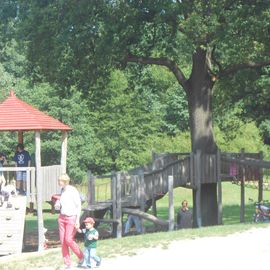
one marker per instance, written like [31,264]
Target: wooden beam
[41,237]
[248,162]
[64,152]
[146,216]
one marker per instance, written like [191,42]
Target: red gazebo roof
[16,115]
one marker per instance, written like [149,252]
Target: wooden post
[133,189]
[260,184]
[20,137]
[64,152]
[198,187]
[219,187]
[141,195]
[154,204]
[154,156]
[91,188]
[191,169]
[242,210]
[113,194]
[171,204]
[41,237]
[118,206]
[28,191]
[32,190]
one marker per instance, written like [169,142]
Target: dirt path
[247,250]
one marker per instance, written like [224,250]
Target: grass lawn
[128,245]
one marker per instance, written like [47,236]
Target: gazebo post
[20,137]
[41,237]
[64,152]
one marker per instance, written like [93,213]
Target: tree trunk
[200,113]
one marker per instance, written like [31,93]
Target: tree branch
[162,61]
[215,60]
[235,68]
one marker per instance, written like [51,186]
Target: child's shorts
[21,176]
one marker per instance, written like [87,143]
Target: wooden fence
[50,175]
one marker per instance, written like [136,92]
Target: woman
[69,219]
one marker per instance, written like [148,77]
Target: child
[90,243]
[7,191]
[184,216]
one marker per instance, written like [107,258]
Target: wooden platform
[99,206]
[12,226]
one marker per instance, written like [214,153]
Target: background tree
[200,42]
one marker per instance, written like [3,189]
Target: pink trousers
[67,232]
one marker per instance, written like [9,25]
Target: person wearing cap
[90,243]
[69,220]
[22,159]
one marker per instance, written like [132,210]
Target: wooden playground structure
[132,192]
[135,191]
[41,181]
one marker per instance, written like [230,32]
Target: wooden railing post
[219,187]
[113,196]
[141,195]
[41,237]
[91,188]
[171,203]
[118,206]
[260,184]
[242,210]
[64,152]
[154,204]
[198,174]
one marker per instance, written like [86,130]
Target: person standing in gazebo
[22,159]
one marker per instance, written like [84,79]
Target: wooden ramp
[12,226]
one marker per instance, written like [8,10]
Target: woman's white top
[70,201]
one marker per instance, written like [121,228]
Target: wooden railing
[188,170]
[10,174]
[49,174]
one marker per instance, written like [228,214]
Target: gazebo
[18,116]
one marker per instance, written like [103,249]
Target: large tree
[200,42]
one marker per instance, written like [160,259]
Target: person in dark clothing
[184,216]
[22,159]
[2,162]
